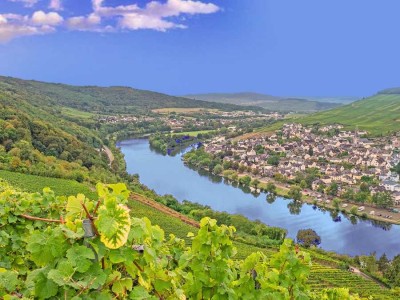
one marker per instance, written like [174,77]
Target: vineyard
[33,183]
[325,271]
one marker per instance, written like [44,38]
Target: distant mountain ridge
[274,103]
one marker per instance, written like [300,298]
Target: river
[168,175]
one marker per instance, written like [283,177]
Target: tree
[245,180]
[303,184]
[383,199]
[383,263]
[336,203]
[397,168]
[255,183]
[308,237]
[242,168]
[218,169]
[271,188]
[273,160]
[364,187]
[333,189]
[348,194]
[295,193]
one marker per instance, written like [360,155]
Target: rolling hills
[273,103]
[101,100]
[378,114]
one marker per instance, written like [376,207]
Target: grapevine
[79,248]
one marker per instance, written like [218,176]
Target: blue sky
[279,47]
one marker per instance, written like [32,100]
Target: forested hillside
[51,129]
[102,100]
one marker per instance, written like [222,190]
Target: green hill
[52,130]
[379,115]
[273,103]
[101,100]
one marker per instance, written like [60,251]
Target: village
[344,160]
[203,119]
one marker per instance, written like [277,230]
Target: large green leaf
[113,224]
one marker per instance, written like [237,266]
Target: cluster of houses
[182,121]
[343,157]
[124,119]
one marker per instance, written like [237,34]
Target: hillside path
[109,153]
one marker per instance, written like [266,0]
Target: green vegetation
[308,237]
[36,184]
[379,115]
[170,143]
[101,100]
[71,112]
[45,257]
[196,133]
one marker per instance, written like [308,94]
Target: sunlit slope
[379,114]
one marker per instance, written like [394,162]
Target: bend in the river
[168,175]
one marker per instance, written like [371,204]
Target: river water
[168,175]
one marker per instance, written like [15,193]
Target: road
[109,153]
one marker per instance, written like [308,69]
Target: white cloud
[177,7]
[141,21]
[156,15]
[13,25]
[42,18]
[55,5]
[27,3]
[89,23]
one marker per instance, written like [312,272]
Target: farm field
[182,110]
[195,133]
[76,113]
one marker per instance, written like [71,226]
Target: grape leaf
[80,257]
[140,293]
[63,274]
[113,224]
[45,288]
[8,280]
[46,246]
[121,286]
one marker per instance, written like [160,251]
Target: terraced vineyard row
[325,271]
[324,277]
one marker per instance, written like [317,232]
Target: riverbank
[321,201]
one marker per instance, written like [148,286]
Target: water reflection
[271,198]
[168,175]
[295,207]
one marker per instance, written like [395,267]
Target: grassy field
[181,110]
[33,183]
[379,115]
[71,112]
[195,133]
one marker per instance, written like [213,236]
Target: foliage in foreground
[47,251]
